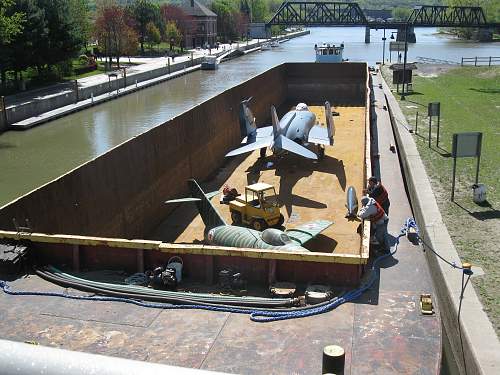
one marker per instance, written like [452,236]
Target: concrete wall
[37,106]
[121,193]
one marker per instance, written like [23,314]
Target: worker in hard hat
[373,211]
[378,192]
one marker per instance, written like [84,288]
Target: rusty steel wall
[121,193]
[313,83]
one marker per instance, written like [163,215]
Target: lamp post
[383,48]
[404,61]
[390,52]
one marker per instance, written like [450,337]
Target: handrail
[491,60]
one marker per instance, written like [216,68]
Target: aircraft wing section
[259,143]
[183,200]
[319,136]
[263,132]
[307,231]
[289,145]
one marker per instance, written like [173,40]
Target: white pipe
[18,359]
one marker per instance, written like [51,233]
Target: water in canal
[31,158]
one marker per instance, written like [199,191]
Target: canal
[31,158]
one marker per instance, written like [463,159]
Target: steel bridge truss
[311,13]
[318,14]
[447,16]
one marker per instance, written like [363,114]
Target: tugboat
[329,53]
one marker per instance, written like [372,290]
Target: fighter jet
[296,129]
[218,232]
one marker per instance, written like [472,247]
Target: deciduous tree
[11,21]
[143,12]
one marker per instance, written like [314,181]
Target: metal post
[92,97]
[383,48]
[124,78]
[462,62]
[76,91]
[4,109]
[192,62]
[169,65]
[489,62]
[404,62]
[453,178]
[477,168]
[475,61]
[437,140]
[430,127]
[416,123]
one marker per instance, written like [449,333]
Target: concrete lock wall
[121,193]
[37,106]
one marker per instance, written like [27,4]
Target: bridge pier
[412,38]
[367,34]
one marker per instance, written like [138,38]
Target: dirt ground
[307,190]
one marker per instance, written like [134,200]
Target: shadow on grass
[482,215]
[486,91]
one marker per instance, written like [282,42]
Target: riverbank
[41,107]
[471,103]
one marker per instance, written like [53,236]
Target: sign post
[465,145]
[434,109]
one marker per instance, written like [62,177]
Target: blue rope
[255,315]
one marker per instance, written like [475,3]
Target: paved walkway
[145,64]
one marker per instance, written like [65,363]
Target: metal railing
[480,61]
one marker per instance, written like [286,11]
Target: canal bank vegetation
[470,101]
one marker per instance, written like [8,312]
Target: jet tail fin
[276,121]
[211,218]
[329,121]
[247,121]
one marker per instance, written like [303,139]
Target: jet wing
[259,143]
[263,132]
[284,143]
[319,136]
[307,231]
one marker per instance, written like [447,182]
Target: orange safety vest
[378,215]
[382,196]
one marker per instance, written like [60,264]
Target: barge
[108,214]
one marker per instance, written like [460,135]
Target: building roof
[198,10]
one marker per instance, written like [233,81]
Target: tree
[401,14]
[11,23]
[112,30]
[143,12]
[65,37]
[152,34]
[183,22]
[80,11]
[130,42]
[172,34]
[225,23]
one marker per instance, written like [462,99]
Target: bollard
[169,65]
[192,61]
[416,123]
[92,97]
[333,359]
[135,83]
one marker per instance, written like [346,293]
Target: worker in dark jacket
[378,192]
[372,211]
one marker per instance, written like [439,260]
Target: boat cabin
[329,53]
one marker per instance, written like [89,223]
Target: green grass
[470,101]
